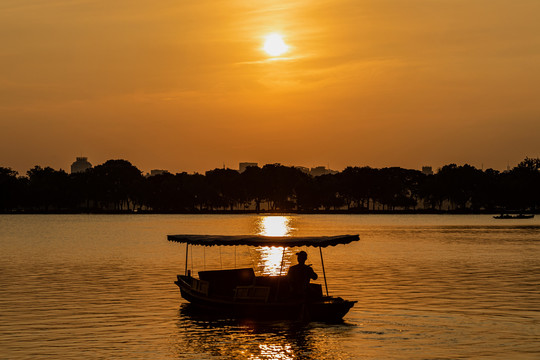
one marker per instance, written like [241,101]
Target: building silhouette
[321,170]
[80,165]
[427,170]
[303,169]
[244,165]
[155,172]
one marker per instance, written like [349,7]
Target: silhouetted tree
[161,193]
[328,191]
[308,196]
[521,186]
[11,190]
[359,185]
[485,193]
[432,192]
[253,182]
[80,191]
[396,186]
[48,188]
[225,188]
[116,182]
[280,183]
[118,185]
[459,184]
[415,181]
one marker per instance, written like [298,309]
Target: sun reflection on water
[269,258]
[274,226]
[272,351]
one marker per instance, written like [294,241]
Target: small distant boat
[517,216]
[241,294]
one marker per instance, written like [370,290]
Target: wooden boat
[517,216]
[240,293]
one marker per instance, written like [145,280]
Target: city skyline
[82,163]
[333,83]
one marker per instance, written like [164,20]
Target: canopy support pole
[280,270]
[324,273]
[282,258]
[187,247]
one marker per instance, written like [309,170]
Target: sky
[186,85]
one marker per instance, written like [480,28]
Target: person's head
[301,256]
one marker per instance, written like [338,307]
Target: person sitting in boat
[300,274]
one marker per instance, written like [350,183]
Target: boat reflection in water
[269,259]
[241,339]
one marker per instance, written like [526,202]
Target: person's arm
[313,274]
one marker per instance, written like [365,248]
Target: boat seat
[279,285]
[224,282]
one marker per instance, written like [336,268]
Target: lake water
[428,287]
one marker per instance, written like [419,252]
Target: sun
[274,45]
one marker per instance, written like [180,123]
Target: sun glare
[274,45]
[270,257]
[275,226]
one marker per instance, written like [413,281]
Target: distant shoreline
[118,187]
[272,212]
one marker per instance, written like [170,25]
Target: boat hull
[327,309]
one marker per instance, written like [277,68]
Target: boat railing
[200,286]
[195,284]
[244,285]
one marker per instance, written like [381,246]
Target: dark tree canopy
[117,185]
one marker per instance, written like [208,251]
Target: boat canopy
[259,240]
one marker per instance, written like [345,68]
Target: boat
[240,293]
[517,216]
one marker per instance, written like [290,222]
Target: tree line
[119,186]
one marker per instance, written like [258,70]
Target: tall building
[244,165]
[80,165]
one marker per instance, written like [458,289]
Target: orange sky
[186,86]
